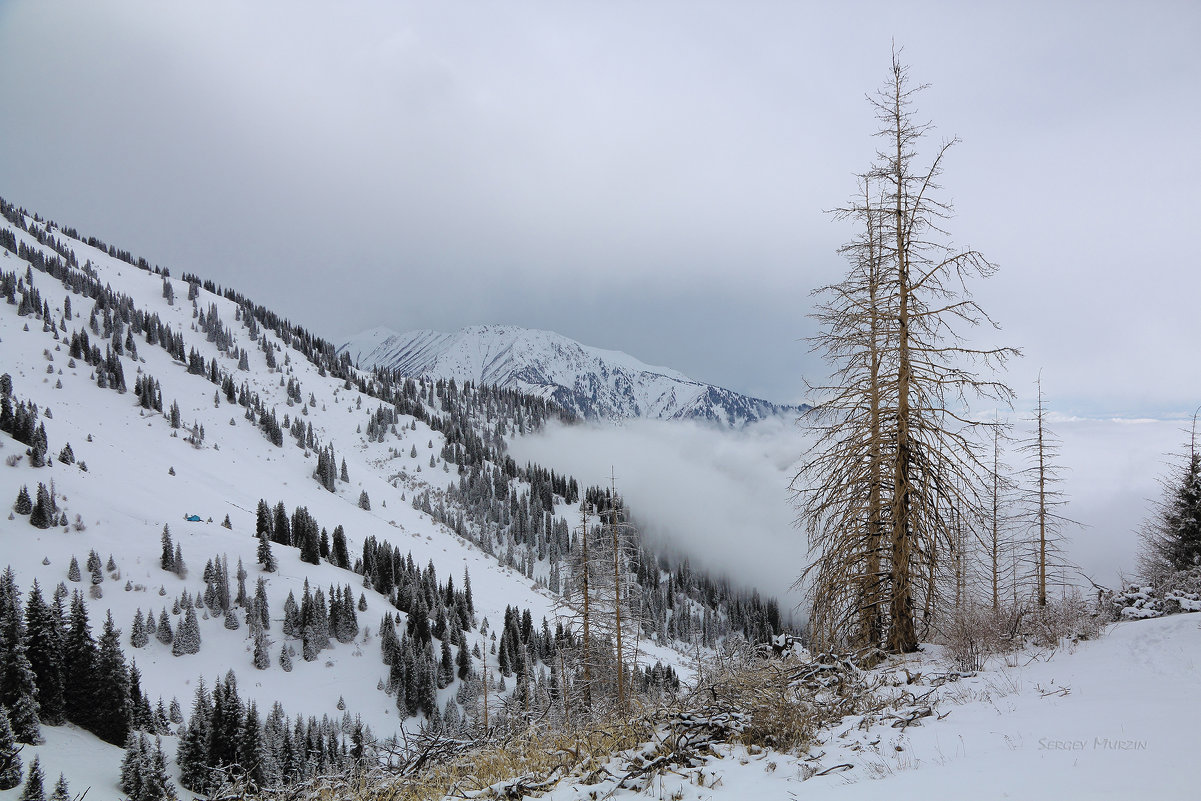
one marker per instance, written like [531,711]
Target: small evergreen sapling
[34,789]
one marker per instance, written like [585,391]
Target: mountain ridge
[594,383]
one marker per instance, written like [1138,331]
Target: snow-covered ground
[1114,718]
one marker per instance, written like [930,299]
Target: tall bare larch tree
[894,440]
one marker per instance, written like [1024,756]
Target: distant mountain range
[594,383]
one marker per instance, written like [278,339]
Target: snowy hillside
[348,558]
[593,383]
[1113,718]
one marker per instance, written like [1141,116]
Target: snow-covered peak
[592,382]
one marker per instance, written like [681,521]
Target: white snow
[596,383]
[1114,718]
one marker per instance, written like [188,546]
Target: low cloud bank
[721,497]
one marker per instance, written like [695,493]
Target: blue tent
[192,518]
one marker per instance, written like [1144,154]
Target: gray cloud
[643,176]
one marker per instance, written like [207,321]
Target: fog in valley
[722,497]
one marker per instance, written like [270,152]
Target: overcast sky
[645,176]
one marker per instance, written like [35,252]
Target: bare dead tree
[907,324]
[1043,501]
[599,602]
[995,536]
[841,489]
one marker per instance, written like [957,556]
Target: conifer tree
[133,766]
[241,599]
[19,692]
[73,573]
[192,755]
[338,553]
[112,708]
[139,637]
[252,752]
[34,789]
[79,666]
[62,792]
[23,504]
[10,758]
[310,549]
[260,604]
[18,685]
[187,639]
[1172,535]
[262,654]
[44,636]
[167,559]
[162,630]
[43,513]
[264,556]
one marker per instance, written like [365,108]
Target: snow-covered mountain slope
[163,397]
[593,383]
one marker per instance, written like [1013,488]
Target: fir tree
[113,710]
[34,789]
[187,639]
[265,558]
[10,759]
[1173,536]
[162,630]
[167,560]
[338,553]
[138,635]
[62,792]
[262,520]
[73,573]
[251,750]
[133,766]
[43,514]
[310,550]
[44,637]
[446,666]
[463,660]
[241,599]
[23,505]
[192,755]
[260,604]
[262,656]
[79,663]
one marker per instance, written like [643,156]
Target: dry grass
[772,703]
[435,768]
